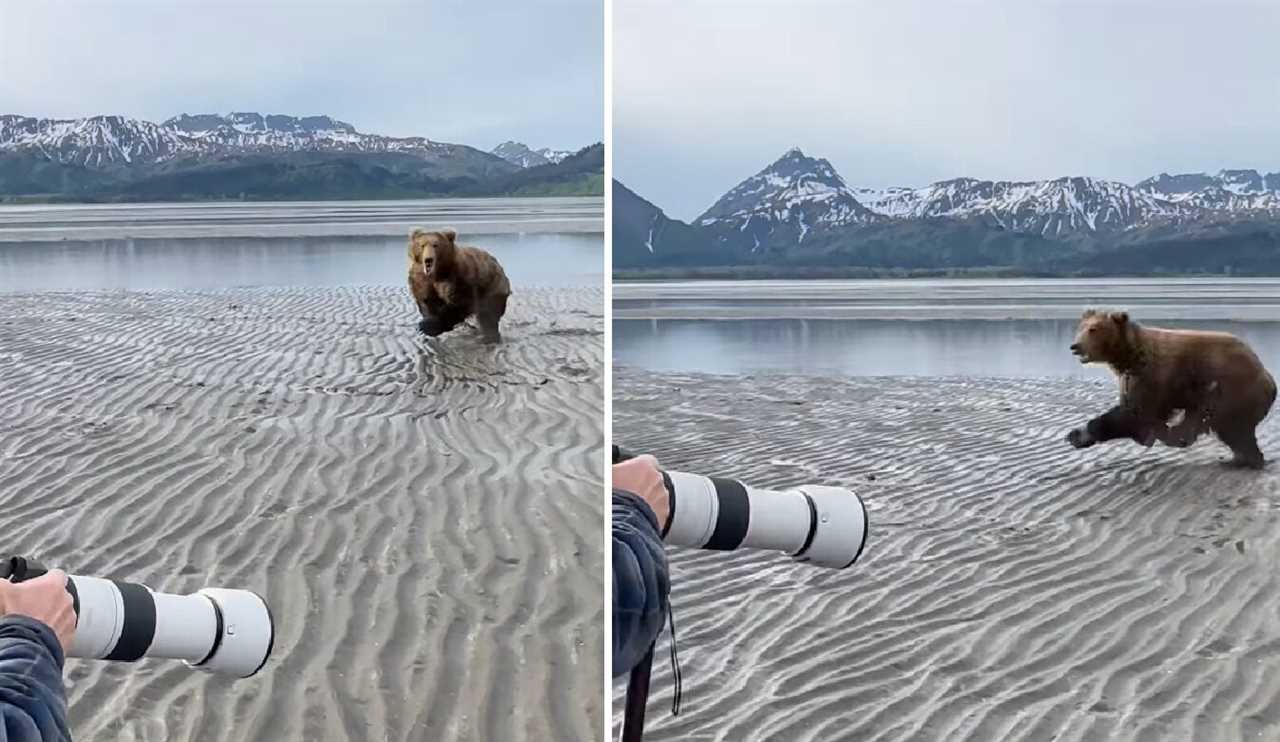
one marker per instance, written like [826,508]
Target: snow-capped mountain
[519,154]
[97,141]
[1240,182]
[102,141]
[796,194]
[1228,190]
[1047,207]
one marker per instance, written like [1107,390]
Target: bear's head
[1103,337]
[433,252]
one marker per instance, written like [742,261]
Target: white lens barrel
[841,527]
[694,509]
[100,618]
[826,526]
[248,632]
[222,631]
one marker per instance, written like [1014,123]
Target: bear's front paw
[1080,438]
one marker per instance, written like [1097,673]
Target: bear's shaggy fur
[451,282]
[1212,380]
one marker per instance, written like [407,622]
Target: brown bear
[1213,380]
[451,282]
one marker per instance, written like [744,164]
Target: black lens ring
[138,628]
[813,526]
[734,515]
[217,634]
[671,503]
[271,641]
[866,530]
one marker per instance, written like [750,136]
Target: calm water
[43,222]
[555,260]
[1017,328]
[552,242]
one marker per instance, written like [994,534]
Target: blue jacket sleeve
[640,581]
[33,704]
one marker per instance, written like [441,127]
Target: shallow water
[1017,328]
[43,222]
[547,260]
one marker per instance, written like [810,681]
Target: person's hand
[46,600]
[641,476]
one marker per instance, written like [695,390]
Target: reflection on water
[1013,348]
[549,260]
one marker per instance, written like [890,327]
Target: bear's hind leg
[489,315]
[1244,447]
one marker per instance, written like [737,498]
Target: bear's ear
[1120,318]
[1089,313]
[450,234]
[415,234]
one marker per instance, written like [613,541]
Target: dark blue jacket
[640,581]
[33,703]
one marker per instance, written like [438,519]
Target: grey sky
[475,72]
[909,92]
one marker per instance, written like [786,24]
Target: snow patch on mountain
[101,141]
[97,141]
[1047,207]
[802,192]
[519,154]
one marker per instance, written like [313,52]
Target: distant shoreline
[56,223]
[1152,299]
[55,199]
[771,273]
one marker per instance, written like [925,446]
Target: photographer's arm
[37,617]
[640,581]
[32,702]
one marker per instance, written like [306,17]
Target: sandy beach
[1012,588]
[423,516]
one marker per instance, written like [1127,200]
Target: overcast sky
[476,72]
[910,92]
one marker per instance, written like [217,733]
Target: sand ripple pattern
[423,515]
[1013,588]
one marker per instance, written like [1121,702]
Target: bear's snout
[1075,348]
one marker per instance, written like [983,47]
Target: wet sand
[423,516]
[1012,588]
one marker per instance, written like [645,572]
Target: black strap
[637,697]
[675,663]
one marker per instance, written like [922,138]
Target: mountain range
[519,154]
[255,156]
[799,216]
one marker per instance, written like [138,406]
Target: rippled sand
[424,516]
[1012,587]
